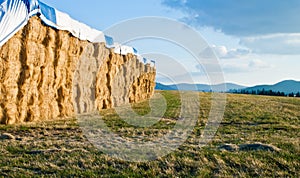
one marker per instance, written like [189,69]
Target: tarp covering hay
[46,73]
[14,14]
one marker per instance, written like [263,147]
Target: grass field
[259,136]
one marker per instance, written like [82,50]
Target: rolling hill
[200,87]
[287,86]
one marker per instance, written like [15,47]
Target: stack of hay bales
[47,73]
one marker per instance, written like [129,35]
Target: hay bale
[47,73]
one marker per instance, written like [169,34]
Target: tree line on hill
[265,92]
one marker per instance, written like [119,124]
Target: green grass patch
[60,149]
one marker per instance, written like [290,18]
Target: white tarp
[124,50]
[13,16]
[78,29]
[63,21]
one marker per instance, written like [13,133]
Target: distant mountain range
[287,86]
[200,87]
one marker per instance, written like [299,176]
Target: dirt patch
[249,147]
[7,136]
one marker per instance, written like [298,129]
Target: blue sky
[257,42]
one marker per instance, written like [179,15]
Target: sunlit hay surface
[47,73]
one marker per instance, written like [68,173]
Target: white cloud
[235,68]
[244,66]
[258,64]
[223,52]
[220,51]
[274,44]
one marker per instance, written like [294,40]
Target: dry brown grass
[59,148]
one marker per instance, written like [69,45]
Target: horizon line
[229,82]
